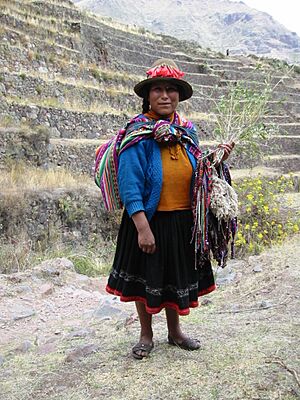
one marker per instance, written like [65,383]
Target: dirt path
[62,337]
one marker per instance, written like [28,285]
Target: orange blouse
[177,175]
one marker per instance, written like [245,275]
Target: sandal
[187,344]
[145,348]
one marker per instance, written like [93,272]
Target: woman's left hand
[227,147]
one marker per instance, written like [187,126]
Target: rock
[2,88]
[82,278]
[80,333]
[225,276]
[21,312]
[83,294]
[80,352]
[47,348]
[257,268]
[46,289]
[24,347]
[107,310]
[15,278]
[1,360]
[23,289]
[54,132]
[43,70]
[53,268]
[131,319]
[254,260]
[69,289]
[265,304]
[235,308]
[206,302]
[127,322]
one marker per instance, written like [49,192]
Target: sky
[287,12]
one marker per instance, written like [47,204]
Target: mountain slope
[217,24]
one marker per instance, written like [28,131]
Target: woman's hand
[227,148]
[146,238]
[146,241]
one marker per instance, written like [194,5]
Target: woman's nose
[164,93]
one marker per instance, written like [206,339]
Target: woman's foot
[141,350]
[185,343]
[145,345]
[176,337]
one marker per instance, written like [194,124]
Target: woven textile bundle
[224,200]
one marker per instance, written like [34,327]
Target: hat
[164,70]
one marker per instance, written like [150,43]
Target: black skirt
[167,278]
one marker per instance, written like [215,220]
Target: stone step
[283,145]
[288,128]
[242,173]
[57,10]
[76,94]
[36,89]
[78,154]
[53,66]
[54,11]
[198,66]
[121,37]
[290,162]
[216,92]
[21,60]
[66,123]
[279,119]
[128,47]
[178,51]
[210,80]
[70,123]
[108,78]
[45,48]
[66,40]
[62,215]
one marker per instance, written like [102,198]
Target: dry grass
[138,31]
[198,116]
[69,105]
[246,348]
[254,172]
[49,24]
[21,178]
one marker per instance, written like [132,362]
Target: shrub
[296,68]
[202,69]
[264,219]
[39,89]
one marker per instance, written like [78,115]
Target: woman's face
[163,97]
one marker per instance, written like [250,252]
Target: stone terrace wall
[47,217]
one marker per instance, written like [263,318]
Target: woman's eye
[172,89]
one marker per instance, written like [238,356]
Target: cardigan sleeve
[131,177]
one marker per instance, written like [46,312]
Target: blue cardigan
[140,177]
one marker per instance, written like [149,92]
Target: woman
[156,162]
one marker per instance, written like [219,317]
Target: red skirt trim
[156,310]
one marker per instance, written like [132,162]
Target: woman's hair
[146,105]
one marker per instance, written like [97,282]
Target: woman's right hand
[146,238]
[146,241]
